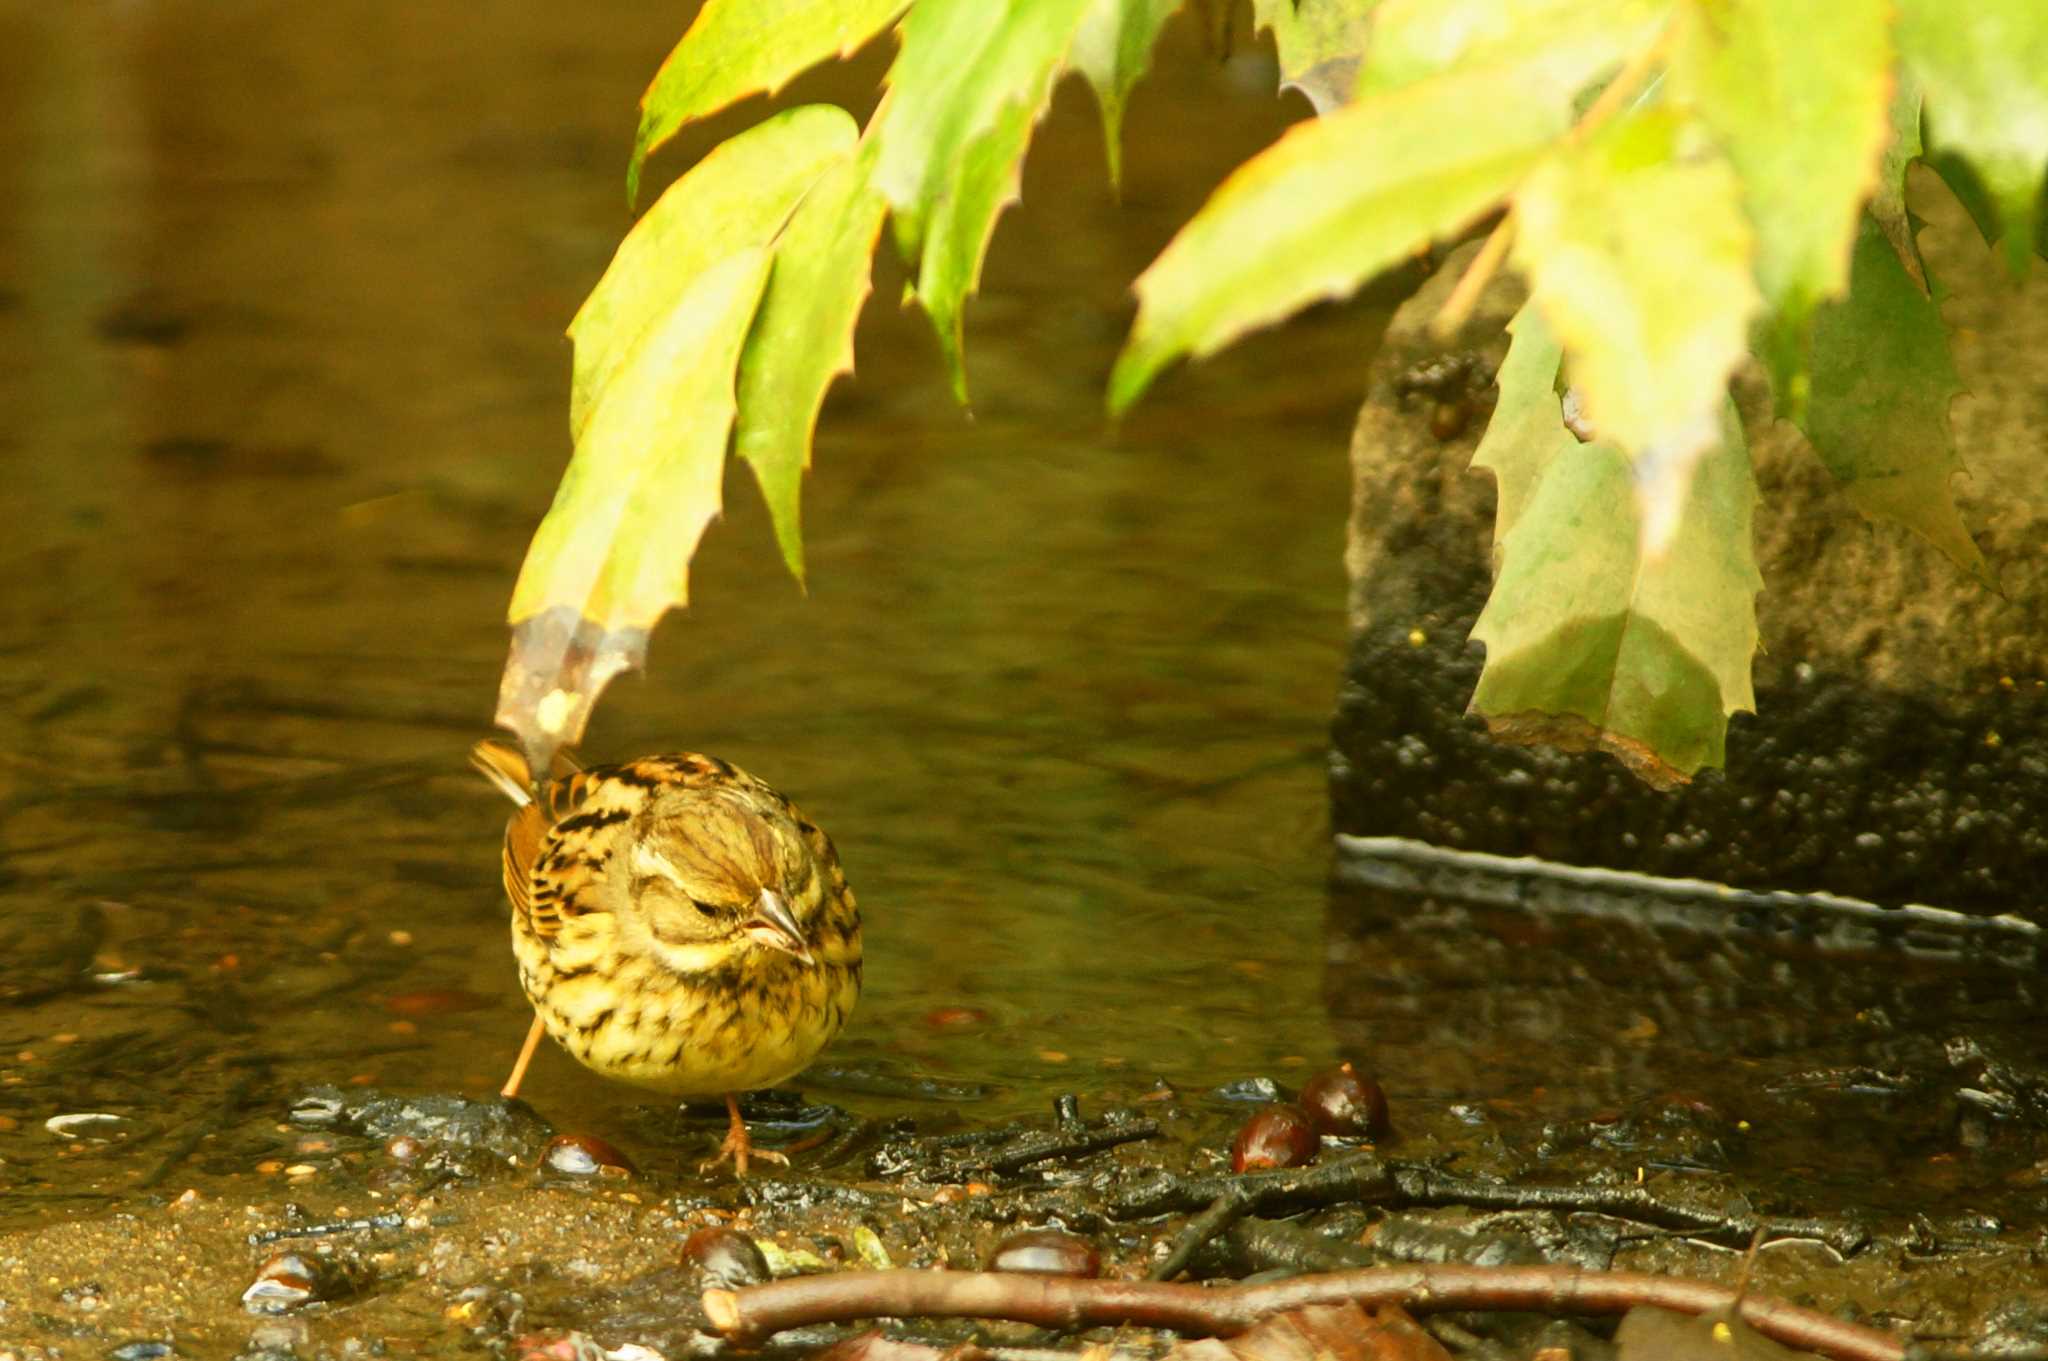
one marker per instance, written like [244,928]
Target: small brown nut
[1344,1101]
[1278,1135]
[1046,1252]
[584,1155]
[728,1258]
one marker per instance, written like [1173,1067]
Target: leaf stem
[1457,308]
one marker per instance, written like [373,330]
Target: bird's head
[720,875]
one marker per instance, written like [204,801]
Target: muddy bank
[432,1226]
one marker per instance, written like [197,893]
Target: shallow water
[280,314]
[280,310]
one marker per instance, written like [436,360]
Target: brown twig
[1640,1204]
[1364,1179]
[1361,1178]
[752,1314]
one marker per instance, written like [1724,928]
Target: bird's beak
[773,926]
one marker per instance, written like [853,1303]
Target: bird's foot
[738,1147]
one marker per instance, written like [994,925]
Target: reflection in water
[280,310]
[1869,1079]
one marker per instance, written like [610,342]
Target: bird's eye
[706,908]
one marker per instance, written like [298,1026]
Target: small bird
[679,925]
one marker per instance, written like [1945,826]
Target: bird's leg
[738,1146]
[511,1087]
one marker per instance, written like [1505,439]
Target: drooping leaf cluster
[1679,182]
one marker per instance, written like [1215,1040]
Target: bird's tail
[502,764]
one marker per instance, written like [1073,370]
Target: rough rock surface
[1900,749]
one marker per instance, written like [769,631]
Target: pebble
[317,1108]
[1258,1089]
[86,1297]
[142,1350]
[95,1125]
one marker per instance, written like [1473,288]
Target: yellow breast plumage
[678,923]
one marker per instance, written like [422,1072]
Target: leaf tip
[793,559]
[558,665]
[1128,378]
[1113,147]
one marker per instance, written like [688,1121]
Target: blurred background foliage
[1683,184]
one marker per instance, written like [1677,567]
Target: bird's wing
[532,871]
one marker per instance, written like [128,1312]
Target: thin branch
[1364,1179]
[1361,1178]
[750,1315]
[1640,1204]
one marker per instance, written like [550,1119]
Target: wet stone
[1046,1252]
[321,1106]
[96,1126]
[86,1297]
[143,1349]
[1251,1090]
[277,1340]
[505,1129]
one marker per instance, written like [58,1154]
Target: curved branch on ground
[749,1315]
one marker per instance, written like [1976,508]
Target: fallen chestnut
[1046,1252]
[584,1155]
[286,1282]
[1342,1100]
[728,1258]
[1278,1135]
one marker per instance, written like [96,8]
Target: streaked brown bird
[678,924]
